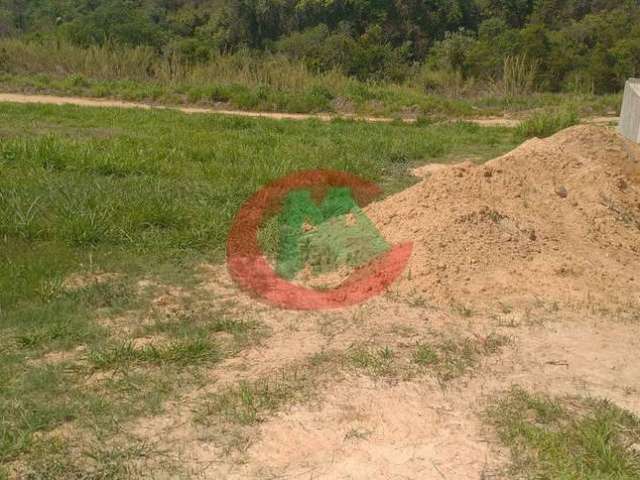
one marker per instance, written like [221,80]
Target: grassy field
[146,195]
[101,209]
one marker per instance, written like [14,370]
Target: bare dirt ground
[540,247]
[94,102]
[358,426]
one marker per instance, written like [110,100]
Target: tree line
[565,44]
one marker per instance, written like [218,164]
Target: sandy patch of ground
[359,427]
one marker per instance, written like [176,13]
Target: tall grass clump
[99,62]
[545,124]
[518,76]
[243,78]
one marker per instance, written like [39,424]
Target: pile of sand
[554,221]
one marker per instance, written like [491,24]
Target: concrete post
[630,114]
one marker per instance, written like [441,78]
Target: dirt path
[325,117]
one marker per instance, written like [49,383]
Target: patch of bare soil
[356,426]
[541,245]
[417,430]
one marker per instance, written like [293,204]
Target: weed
[462,309]
[518,76]
[248,402]
[115,295]
[425,355]
[418,301]
[623,214]
[357,434]
[505,307]
[188,324]
[494,343]
[56,459]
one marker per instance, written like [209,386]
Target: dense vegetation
[576,45]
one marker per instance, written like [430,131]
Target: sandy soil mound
[555,220]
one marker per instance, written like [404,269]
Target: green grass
[569,439]
[186,325]
[545,124]
[251,402]
[39,399]
[375,361]
[165,186]
[445,360]
[450,359]
[230,413]
[125,354]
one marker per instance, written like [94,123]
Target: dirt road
[326,117]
